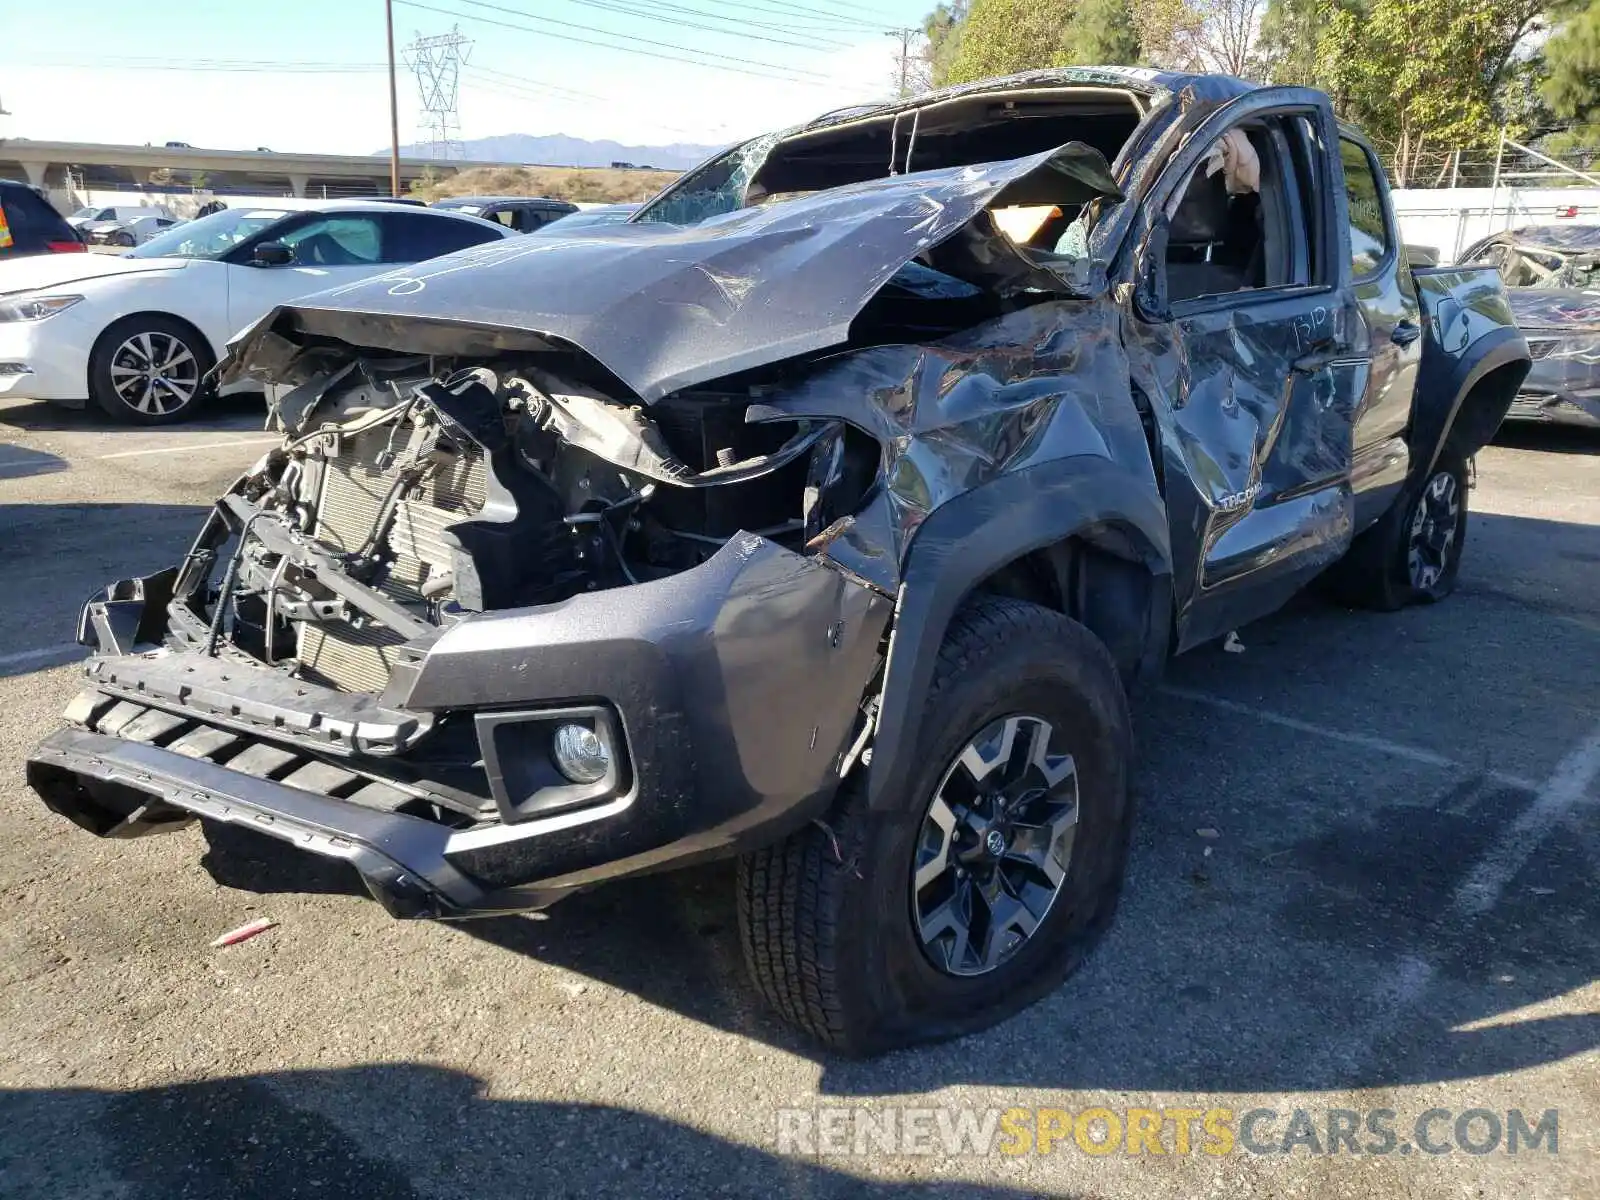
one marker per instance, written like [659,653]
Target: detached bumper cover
[736,689]
[1582,409]
[400,858]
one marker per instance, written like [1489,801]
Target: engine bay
[443,493]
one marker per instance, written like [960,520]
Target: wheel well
[1484,407]
[1096,578]
[131,317]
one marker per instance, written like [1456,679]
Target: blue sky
[307,75]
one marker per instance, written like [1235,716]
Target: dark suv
[30,225]
[522,213]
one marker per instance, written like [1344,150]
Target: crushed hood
[664,307]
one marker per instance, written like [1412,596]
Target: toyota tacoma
[821,515]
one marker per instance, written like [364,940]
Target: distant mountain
[559,150]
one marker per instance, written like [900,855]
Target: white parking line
[1567,786]
[64,652]
[1402,988]
[1382,745]
[194,448]
[1392,997]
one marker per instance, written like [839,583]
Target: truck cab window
[1369,233]
[1233,223]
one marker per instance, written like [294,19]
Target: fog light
[579,754]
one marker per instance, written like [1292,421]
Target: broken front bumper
[1575,408]
[735,689]
[119,788]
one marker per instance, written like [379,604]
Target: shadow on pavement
[391,1132]
[41,416]
[19,462]
[1322,944]
[57,555]
[253,862]
[1551,439]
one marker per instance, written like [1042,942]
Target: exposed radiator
[352,494]
[353,660]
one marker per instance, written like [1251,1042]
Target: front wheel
[1413,553]
[149,370]
[992,869]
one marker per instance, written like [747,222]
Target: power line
[514,91]
[787,20]
[519,81]
[819,81]
[874,14]
[792,12]
[544,20]
[612,6]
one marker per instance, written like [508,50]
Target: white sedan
[138,333]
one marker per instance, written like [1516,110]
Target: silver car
[133,232]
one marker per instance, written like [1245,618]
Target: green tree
[1169,33]
[1103,32]
[1000,37]
[1289,37]
[1423,77]
[970,39]
[941,31]
[1572,60]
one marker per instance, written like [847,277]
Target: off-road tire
[826,916]
[1376,572]
[103,386]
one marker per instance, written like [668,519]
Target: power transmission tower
[437,62]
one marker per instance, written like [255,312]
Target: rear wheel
[1413,554]
[992,870]
[149,370]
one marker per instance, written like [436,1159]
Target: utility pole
[394,106]
[903,91]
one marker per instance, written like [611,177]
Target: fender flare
[1438,403]
[972,536]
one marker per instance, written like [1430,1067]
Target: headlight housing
[34,308]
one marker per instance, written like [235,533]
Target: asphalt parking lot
[1364,878]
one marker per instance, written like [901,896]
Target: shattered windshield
[1539,267]
[716,188]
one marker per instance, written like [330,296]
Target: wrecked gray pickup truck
[821,515]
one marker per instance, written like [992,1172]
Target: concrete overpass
[97,167]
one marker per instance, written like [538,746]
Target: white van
[95,213]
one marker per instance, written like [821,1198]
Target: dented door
[1254,390]
[1258,454]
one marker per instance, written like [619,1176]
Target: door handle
[1405,333]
